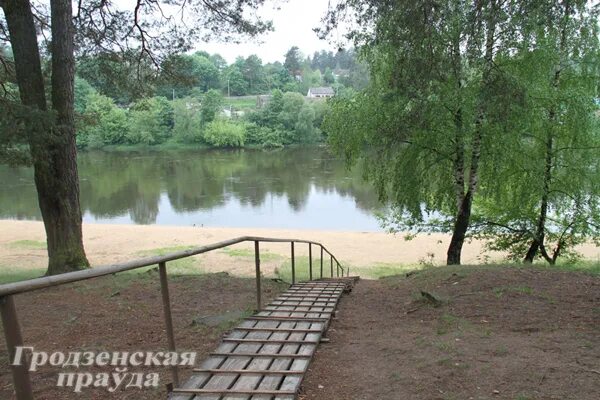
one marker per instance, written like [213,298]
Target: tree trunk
[539,236]
[540,230]
[52,146]
[465,200]
[532,251]
[461,225]
[60,190]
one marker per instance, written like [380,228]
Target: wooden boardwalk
[267,355]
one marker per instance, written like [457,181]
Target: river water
[300,187]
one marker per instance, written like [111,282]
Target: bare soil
[499,333]
[120,314]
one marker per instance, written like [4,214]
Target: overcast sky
[293,23]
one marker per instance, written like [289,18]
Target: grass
[284,272]
[382,270]
[393,272]
[247,253]
[587,266]
[28,244]
[501,351]
[500,291]
[241,103]
[10,273]
[184,266]
[450,323]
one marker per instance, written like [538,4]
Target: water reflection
[293,188]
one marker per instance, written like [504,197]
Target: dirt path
[501,334]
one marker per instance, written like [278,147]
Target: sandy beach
[107,244]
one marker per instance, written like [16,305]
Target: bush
[102,122]
[187,121]
[305,130]
[150,121]
[263,136]
[221,133]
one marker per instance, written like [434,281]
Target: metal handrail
[12,329]
[76,276]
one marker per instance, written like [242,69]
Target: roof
[328,90]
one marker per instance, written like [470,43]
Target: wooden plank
[263,341]
[266,356]
[249,371]
[271,382]
[292,383]
[288,302]
[245,392]
[278,330]
[300,308]
[310,295]
[286,318]
[198,380]
[303,304]
[303,300]
[219,382]
[257,355]
[250,381]
[324,291]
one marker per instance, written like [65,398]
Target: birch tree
[426,123]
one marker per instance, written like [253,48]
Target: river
[299,187]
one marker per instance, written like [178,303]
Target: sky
[293,24]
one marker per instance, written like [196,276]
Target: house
[320,92]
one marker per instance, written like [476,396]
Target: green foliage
[194,85]
[212,103]
[121,76]
[304,128]
[222,133]
[187,121]
[328,77]
[102,122]
[234,82]
[150,121]
[293,61]
[254,74]
[263,136]
[458,122]
[288,118]
[82,92]
[551,170]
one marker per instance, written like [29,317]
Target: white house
[318,92]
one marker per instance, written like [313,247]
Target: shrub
[221,133]
[187,120]
[102,122]
[150,121]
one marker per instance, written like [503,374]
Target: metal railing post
[14,339]
[257,263]
[321,262]
[310,261]
[337,269]
[293,265]
[164,288]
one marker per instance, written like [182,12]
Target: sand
[107,244]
